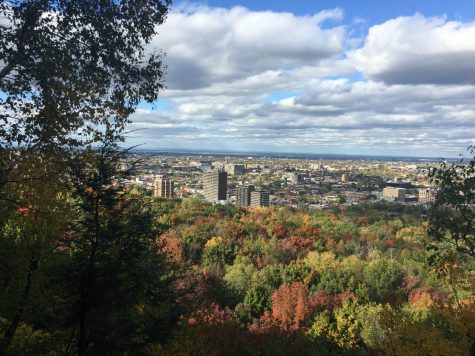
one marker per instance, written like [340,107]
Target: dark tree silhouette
[452,216]
[71,73]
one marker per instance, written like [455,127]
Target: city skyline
[333,77]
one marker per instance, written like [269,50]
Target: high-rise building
[345,177]
[215,185]
[243,195]
[163,188]
[259,198]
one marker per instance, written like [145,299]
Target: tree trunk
[87,282]
[11,330]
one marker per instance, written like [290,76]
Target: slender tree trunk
[84,308]
[11,330]
[87,281]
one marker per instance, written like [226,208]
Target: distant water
[309,156]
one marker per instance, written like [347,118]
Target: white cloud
[417,49]
[332,114]
[212,45]
[245,80]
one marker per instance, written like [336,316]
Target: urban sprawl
[270,181]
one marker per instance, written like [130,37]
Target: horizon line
[279,153]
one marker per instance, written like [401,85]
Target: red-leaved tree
[290,305]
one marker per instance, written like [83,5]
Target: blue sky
[324,76]
[373,11]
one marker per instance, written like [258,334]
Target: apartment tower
[215,185]
[163,188]
[259,198]
[243,195]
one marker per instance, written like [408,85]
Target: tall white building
[164,188]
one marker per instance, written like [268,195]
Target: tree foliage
[332,297]
[452,217]
[81,267]
[69,66]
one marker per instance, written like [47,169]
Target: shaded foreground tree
[452,216]
[89,278]
[125,301]
[452,224]
[69,66]
[81,267]
[29,236]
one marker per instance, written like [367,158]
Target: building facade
[215,185]
[234,169]
[394,194]
[295,178]
[243,195]
[426,195]
[164,188]
[259,198]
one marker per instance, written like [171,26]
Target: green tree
[239,275]
[218,253]
[121,297]
[452,216]
[72,65]
[384,279]
[258,299]
[335,281]
[72,72]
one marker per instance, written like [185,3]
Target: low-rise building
[426,195]
[394,194]
[356,196]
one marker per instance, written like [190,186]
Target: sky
[348,77]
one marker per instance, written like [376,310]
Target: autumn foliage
[314,282]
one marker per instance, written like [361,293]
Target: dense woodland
[187,277]
[285,281]
[88,267]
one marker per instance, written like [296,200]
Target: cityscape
[273,181]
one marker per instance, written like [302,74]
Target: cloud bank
[244,80]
